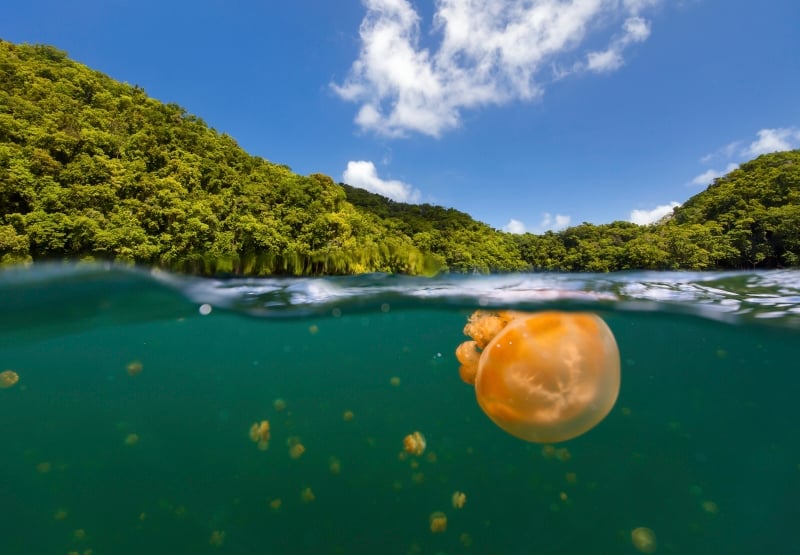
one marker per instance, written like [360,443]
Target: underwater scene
[149,413]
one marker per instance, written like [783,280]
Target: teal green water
[701,446]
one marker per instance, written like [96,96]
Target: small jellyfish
[134,368]
[8,378]
[348,416]
[710,507]
[414,443]
[563,454]
[334,465]
[275,504]
[438,522]
[217,538]
[542,377]
[394,381]
[131,439]
[307,495]
[279,405]
[296,449]
[644,539]
[259,434]
[459,498]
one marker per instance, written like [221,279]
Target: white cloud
[774,140]
[514,226]
[710,175]
[489,52]
[635,29]
[549,222]
[644,217]
[554,222]
[726,152]
[706,177]
[767,140]
[363,174]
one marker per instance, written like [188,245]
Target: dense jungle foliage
[91,168]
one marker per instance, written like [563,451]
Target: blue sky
[529,115]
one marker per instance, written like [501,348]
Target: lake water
[128,430]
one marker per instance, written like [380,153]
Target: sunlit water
[702,446]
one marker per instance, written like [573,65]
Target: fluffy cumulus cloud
[549,222]
[644,217]
[487,52]
[554,222]
[710,175]
[766,141]
[774,140]
[514,226]
[364,175]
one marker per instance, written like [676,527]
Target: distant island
[94,169]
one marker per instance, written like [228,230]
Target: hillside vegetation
[91,168]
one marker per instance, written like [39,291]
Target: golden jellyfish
[217,538]
[134,368]
[414,443]
[459,498]
[296,448]
[710,507]
[44,467]
[644,539]
[544,377]
[259,433]
[8,378]
[307,495]
[438,521]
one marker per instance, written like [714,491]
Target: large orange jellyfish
[543,377]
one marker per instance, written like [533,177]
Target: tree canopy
[91,168]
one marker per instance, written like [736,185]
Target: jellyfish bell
[8,378]
[550,376]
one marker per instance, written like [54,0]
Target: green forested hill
[91,168]
[454,238]
[747,219]
[757,210]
